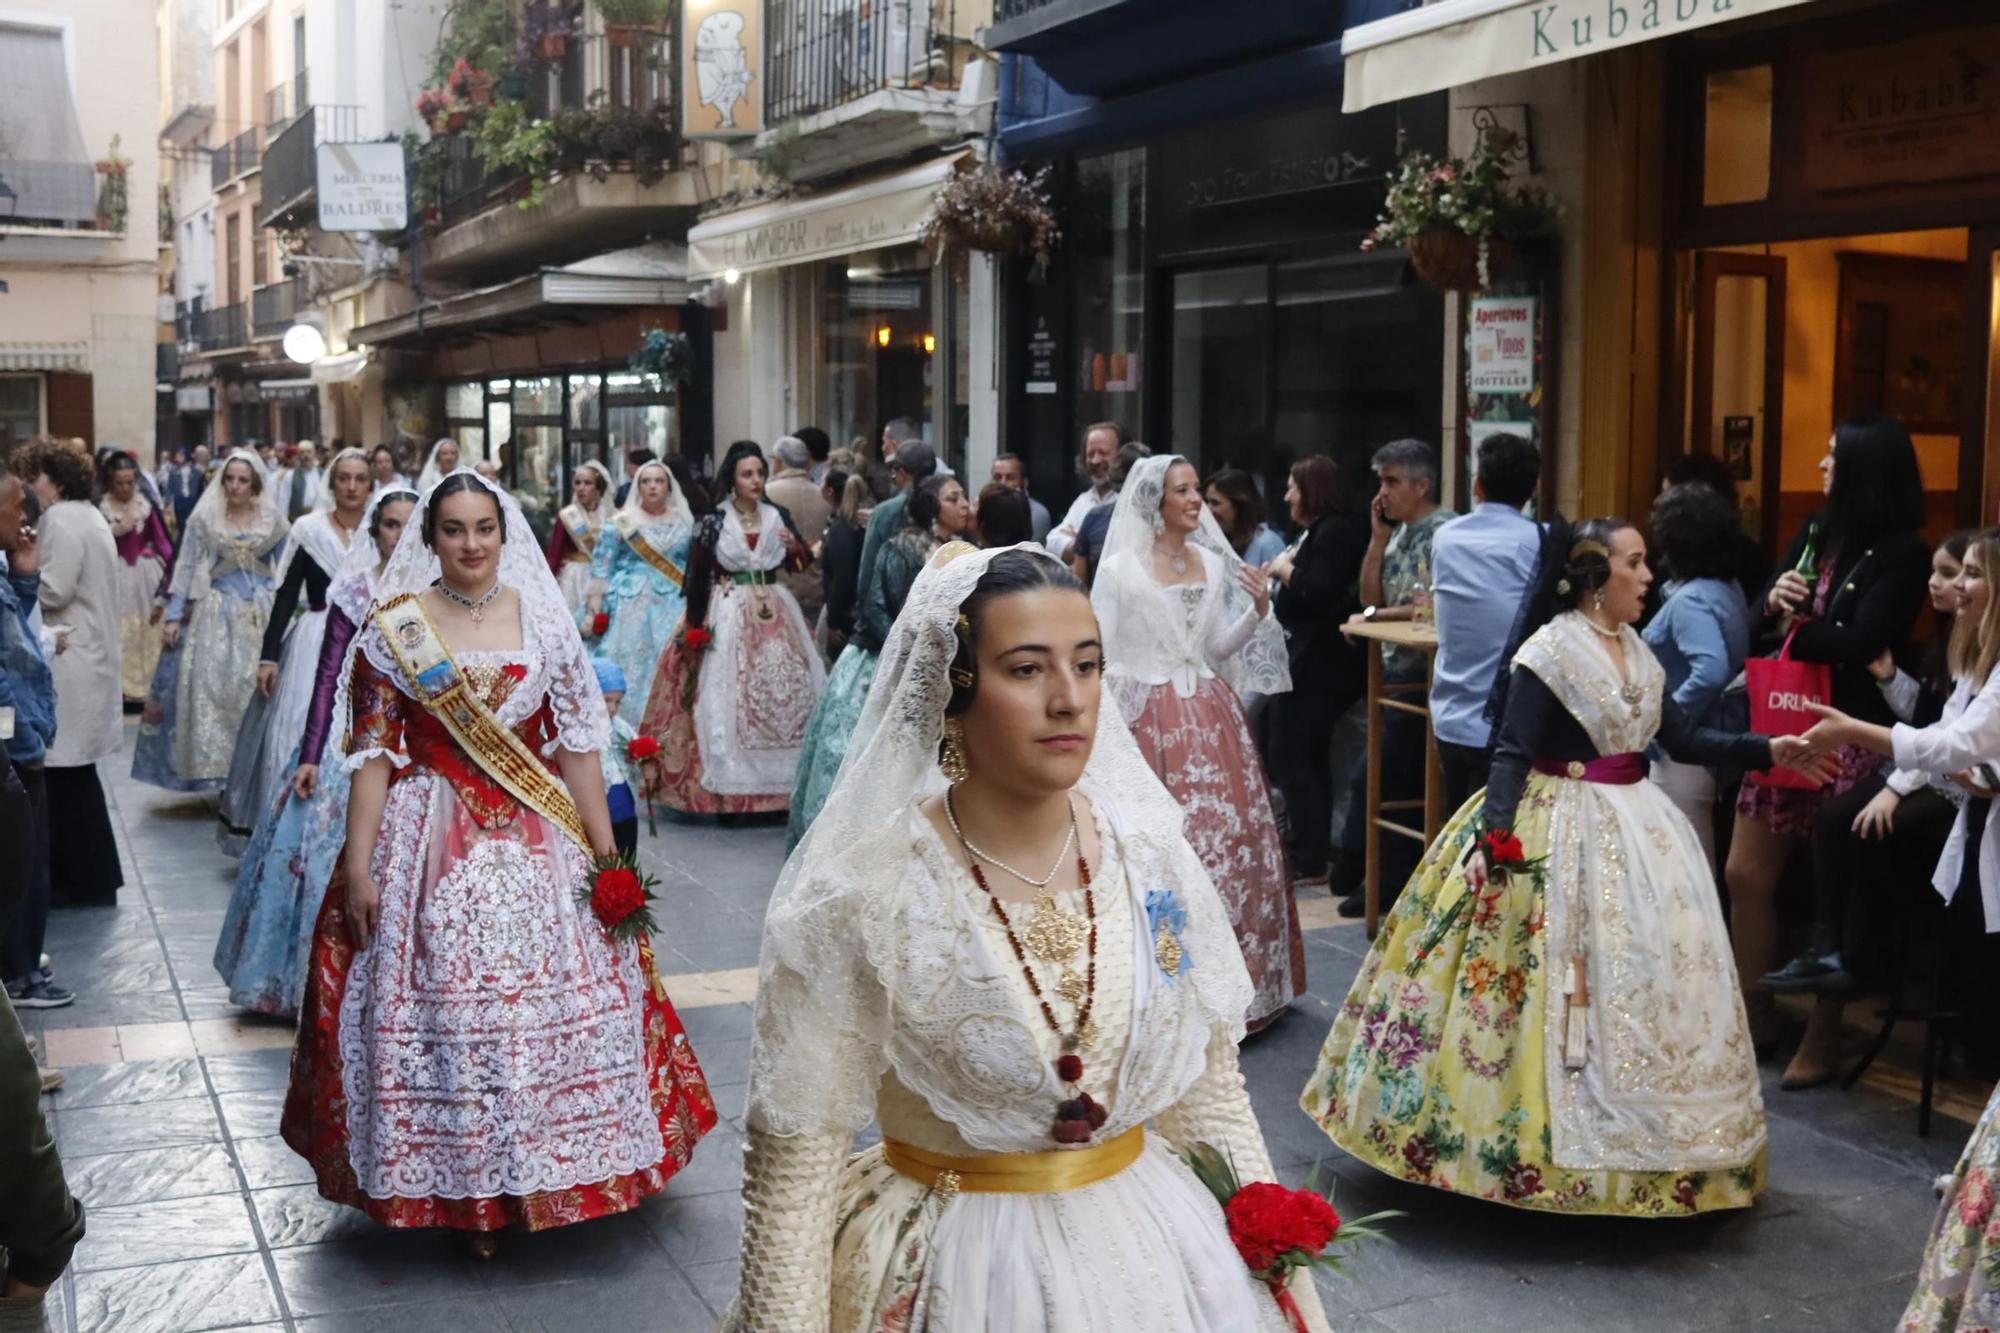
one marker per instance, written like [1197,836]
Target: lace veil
[1261,665]
[211,505]
[677,506]
[353,587]
[430,476]
[822,1023]
[413,567]
[605,487]
[325,500]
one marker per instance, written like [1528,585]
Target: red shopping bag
[1780,688]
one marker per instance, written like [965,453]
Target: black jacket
[1318,600]
[1876,595]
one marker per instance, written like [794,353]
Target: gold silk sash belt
[636,539]
[1016,1173]
[442,689]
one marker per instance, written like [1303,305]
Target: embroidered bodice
[1162,633]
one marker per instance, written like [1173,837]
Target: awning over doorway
[648,275]
[44,356]
[1450,42]
[888,210]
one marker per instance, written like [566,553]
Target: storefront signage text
[1922,110]
[1041,358]
[1285,173]
[1502,345]
[722,68]
[361,187]
[1563,30]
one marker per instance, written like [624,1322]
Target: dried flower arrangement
[992,208]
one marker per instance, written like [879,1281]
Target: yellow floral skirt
[1436,1070]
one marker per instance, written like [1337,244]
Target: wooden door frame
[1691,359]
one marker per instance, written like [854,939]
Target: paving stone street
[200,1218]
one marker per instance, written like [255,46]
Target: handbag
[1780,688]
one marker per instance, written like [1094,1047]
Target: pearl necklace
[951,817]
[1617,633]
[474,606]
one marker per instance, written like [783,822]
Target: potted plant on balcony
[112,200]
[546,27]
[633,22]
[1463,220]
[994,209]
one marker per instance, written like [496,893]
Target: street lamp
[304,343]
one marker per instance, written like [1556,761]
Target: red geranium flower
[1267,1221]
[641,748]
[698,638]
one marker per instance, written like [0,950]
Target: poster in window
[722,69]
[1502,345]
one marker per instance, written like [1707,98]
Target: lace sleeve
[1216,1110]
[377,728]
[789,1198]
[582,725]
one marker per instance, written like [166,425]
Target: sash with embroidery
[629,528]
[581,534]
[442,689]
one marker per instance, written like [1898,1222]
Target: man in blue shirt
[1481,567]
[27,725]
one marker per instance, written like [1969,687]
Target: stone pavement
[200,1218]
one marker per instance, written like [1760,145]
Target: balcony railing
[291,163]
[826,52]
[219,328]
[275,102]
[273,308]
[300,86]
[467,187]
[248,150]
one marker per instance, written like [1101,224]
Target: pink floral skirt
[1201,748]
[1792,811]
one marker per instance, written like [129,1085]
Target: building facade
[79,230]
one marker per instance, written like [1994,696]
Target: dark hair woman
[1851,585]
[1232,497]
[1572,845]
[733,690]
[1004,517]
[1314,580]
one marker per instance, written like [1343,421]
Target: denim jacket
[26,684]
[1701,636]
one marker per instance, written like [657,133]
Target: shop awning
[44,356]
[1450,42]
[339,368]
[885,211]
[644,275]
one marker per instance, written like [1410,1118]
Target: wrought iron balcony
[274,307]
[291,163]
[826,52]
[275,101]
[220,328]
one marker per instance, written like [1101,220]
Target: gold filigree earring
[951,755]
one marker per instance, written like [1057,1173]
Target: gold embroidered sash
[442,689]
[581,535]
[628,528]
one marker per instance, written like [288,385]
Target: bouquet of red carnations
[620,896]
[1278,1230]
[642,750]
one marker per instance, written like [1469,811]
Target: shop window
[1736,136]
[1222,364]
[1105,244]
[880,341]
[638,413]
[20,409]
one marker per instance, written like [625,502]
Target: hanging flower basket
[994,210]
[1450,260]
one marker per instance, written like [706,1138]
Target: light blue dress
[839,707]
[644,605]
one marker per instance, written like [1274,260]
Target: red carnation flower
[1267,1221]
[698,638]
[1503,848]
[615,895]
[599,623]
[641,748]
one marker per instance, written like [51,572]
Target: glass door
[1219,406]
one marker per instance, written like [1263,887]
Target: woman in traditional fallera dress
[1566,1034]
[476,1050]
[143,551]
[730,737]
[218,606]
[937,512]
[1188,631]
[441,462]
[638,572]
[1036,1050]
[267,932]
[315,550]
[573,538]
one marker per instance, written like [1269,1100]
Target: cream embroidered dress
[1447,1065]
[889,993]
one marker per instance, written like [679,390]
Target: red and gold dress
[494,1057]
